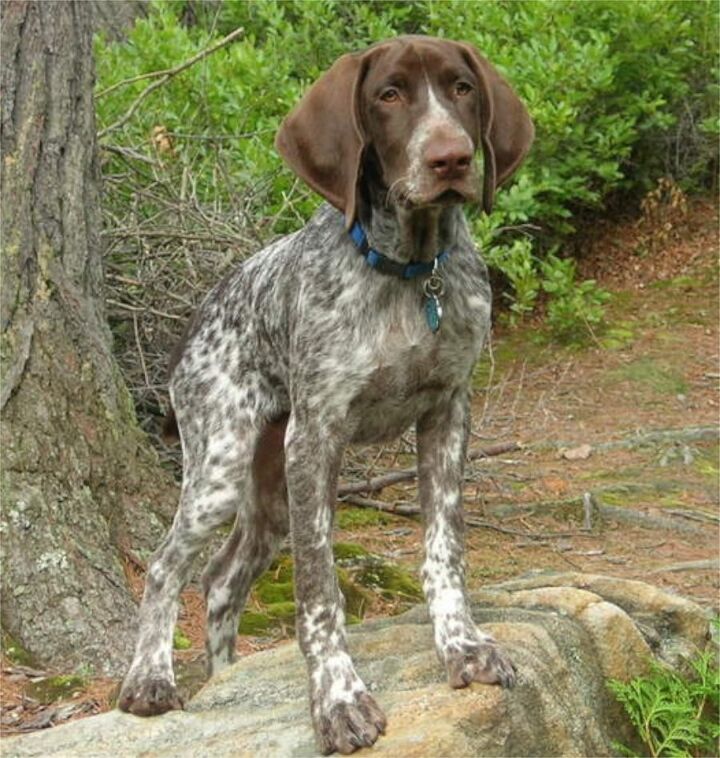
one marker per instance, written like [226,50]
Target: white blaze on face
[436,120]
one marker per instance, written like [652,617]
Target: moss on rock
[275,617]
[349,551]
[253,623]
[180,641]
[357,598]
[55,688]
[15,651]
[267,591]
[390,581]
[352,518]
[360,574]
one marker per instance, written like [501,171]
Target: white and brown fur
[305,349]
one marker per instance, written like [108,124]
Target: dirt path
[656,494]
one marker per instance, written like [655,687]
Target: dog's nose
[449,158]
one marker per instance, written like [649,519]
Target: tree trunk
[78,478]
[115,17]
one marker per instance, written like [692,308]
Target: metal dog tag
[433,312]
[433,288]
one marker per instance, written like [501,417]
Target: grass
[655,375]
[355,518]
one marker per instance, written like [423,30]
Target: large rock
[567,634]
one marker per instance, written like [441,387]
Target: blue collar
[386,265]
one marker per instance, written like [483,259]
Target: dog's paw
[347,726]
[149,696]
[484,662]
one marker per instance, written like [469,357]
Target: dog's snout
[449,158]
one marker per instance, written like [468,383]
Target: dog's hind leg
[249,550]
[218,454]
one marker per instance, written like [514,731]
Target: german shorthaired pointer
[364,322]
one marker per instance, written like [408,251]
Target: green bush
[620,93]
[575,309]
[674,715]
[517,263]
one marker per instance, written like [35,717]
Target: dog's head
[418,109]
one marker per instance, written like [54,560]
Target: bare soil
[655,367]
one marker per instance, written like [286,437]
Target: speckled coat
[305,349]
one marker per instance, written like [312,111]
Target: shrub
[520,269]
[620,93]
[674,715]
[574,308]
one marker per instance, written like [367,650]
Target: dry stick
[481,523]
[711,564]
[165,77]
[589,507]
[399,509]
[406,474]
[170,234]
[138,309]
[403,509]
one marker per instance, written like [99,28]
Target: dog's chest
[400,368]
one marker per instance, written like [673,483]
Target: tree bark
[115,17]
[78,478]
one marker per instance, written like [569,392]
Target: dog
[364,322]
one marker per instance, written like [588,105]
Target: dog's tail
[170,432]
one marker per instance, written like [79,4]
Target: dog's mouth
[455,194]
[441,194]
[449,197]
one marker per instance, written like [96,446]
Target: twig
[141,354]
[165,77]
[483,524]
[589,506]
[170,234]
[493,450]
[641,438]
[137,309]
[221,137]
[400,509]
[711,518]
[127,152]
[525,229]
[407,474]
[378,483]
[711,564]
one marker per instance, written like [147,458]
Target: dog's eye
[463,88]
[390,95]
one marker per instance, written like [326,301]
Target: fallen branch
[399,509]
[641,439]
[165,75]
[711,564]
[709,518]
[407,474]
[403,509]
[483,524]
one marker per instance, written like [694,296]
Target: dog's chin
[444,197]
[450,197]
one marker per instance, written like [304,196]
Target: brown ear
[321,139]
[506,131]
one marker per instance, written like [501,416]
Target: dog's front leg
[468,654]
[345,716]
